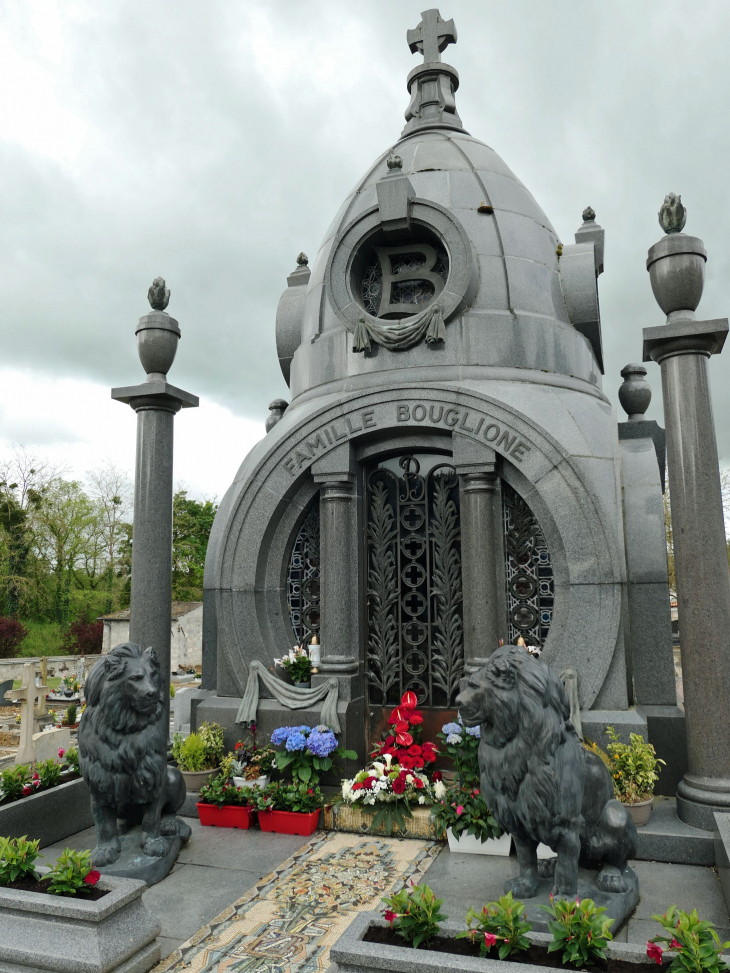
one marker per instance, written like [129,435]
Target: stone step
[667,839]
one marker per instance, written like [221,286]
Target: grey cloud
[201,169]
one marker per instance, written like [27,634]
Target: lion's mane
[531,750]
[122,752]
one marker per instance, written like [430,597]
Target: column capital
[158,395]
[685,336]
[477,481]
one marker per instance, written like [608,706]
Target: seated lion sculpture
[540,783]
[123,755]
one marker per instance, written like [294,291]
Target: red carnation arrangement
[403,742]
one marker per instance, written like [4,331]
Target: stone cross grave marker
[41,708]
[432,36]
[26,696]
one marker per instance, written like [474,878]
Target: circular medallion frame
[434,220]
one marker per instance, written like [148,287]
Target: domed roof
[442,201]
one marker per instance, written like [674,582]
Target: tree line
[66,545]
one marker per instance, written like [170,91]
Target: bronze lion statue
[123,755]
[540,782]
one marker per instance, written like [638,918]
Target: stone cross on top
[432,36]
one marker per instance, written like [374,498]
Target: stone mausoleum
[448,471]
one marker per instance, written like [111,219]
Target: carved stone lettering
[467,421]
[324,439]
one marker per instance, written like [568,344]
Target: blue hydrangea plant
[308,751]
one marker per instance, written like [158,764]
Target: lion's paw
[610,879]
[184,830]
[155,847]
[521,888]
[168,826]
[546,867]
[105,854]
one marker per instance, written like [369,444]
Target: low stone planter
[469,844]
[61,934]
[49,816]
[353,955]
[344,817]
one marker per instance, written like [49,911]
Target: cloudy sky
[210,142]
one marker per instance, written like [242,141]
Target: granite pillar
[156,404]
[682,348]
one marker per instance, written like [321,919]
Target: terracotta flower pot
[289,822]
[228,816]
[194,779]
[640,812]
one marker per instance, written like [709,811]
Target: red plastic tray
[228,816]
[289,822]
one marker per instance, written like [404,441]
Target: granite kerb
[353,955]
[50,815]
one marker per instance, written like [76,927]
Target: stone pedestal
[682,348]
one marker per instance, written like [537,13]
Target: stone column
[481,579]
[682,347]
[156,403]
[339,563]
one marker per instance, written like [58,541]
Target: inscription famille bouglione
[435,414]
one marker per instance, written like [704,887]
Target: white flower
[439,789]
[379,767]
[346,789]
[387,757]
[292,655]
[409,778]
[422,800]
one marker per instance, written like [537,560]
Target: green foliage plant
[70,717]
[49,772]
[71,756]
[172,691]
[17,859]
[580,929]
[299,668]
[71,873]
[697,945]
[222,792]
[212,736]
[466,813]
[501,924]
[189,753]
[634,767]
[415,914]
[13,780]
[462,745]
[278,796]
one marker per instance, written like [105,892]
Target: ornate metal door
[414,595]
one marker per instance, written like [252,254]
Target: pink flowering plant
[696,945]
[71,873]
[17,859]
[500,924]
[465,812]
[414,913]
[579,928]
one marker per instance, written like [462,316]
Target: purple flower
[296,741]
[281,735]
[473,731]
[322,744]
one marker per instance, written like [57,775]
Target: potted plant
[470,828]
[199,755]
[635,770]
[462,745]
[223,805]
[69,916]
[251,765]
[288,808]
[298,666]
[308,751]
[387,791]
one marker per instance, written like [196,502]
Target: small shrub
[500,924]
[13,780]
[634,767]
[415,914]
[12,633]
[70,717]
[172,691]
[72,758]
[697,945]
[84,636]
[17,859]
[49,772]
[189,753]
[579,929]
[72,872]
[466,813]
[212,736]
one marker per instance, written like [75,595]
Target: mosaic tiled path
[290,919]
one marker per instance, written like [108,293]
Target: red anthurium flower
[395,716]
[409,699]
[489,939]
[429,757]
[92,877]
[655,952]
[405,739]
[429,746]
[674,944]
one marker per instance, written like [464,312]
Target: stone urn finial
[302,259]
[635,393]
[276,412]
[589,215]
[394,162]
[672,215]
[159,294]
